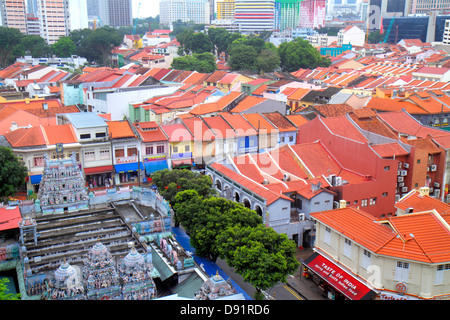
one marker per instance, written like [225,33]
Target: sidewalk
[305,287]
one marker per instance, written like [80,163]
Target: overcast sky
[149,8]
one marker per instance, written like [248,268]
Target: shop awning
[339,279]
[184,162]
[153,166]
[95,170]
[128,167]
[36,179]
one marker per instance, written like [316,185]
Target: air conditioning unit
[400,179]
[404,173]
[405,189]
[338,181]
[399,172]
[401,184]
[437,184]
[448,198]
[437,193]
[397,197]
[406,165]
[285,177]
[433,167]
[301,216]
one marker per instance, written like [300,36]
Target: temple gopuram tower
[65,284]
[137,275]
[100,275]
[62,187]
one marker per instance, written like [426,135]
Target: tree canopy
[4,295]
[64,47]
[203,62]
[12,173]
[298,54]
[9,39]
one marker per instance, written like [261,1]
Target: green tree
[195,42]
[242,57]
[260,255]
[300,54]
[170,182]
[9,39]
[376,37]
[4,295]
[204,62]
[64,47]
[12,173]
[268,61]
[33,45]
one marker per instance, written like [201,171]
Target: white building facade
[184,10]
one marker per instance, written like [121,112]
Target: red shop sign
[338,278]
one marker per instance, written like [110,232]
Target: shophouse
[154,148]
[247,135]
[286,129]
[181,145]
[398,258]
[93,134]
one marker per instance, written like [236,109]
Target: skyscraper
[184,10]
[312,13]
[114,13]
[287,14]
[254,16]
[427,6]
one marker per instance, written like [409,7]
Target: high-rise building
[312,13]
[426,6]
[287,14]
[225,10]
[254,16]
[13,14]
[184,10]
[114,13]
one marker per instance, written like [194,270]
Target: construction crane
[388,31]
[136,19]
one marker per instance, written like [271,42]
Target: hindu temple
[65,284]
[62,188]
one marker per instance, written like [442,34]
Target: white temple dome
[64,272]
[133,258]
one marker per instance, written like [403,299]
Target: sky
[149,8]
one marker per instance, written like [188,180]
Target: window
[148,150]
[364,203]
[347,248]
[175,149]
[85,136]
[373,201]
[187,148]
[366,259]
[104,154]
[327,238]
[384,194]
[100,134]
[89,155]
[131,152]
[160,149]
[439,279]
[119,153]
[418,160]
[38,161]
[402,271]
[387,168]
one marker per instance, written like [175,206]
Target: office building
[114,13]
[184,10]
[254,16]
[312,13]
[225,10]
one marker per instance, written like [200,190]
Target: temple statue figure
[100,275]
[64,284]
[214,288]
[136,275]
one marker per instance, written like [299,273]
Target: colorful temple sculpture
[216,288]
[136,273]
[65,284]
[100,275]
[62,187]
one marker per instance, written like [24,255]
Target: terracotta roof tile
[120,129]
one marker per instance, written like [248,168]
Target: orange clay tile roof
[220,127]
[177,132]
[297,119]
[260,123]
[381,104]
[298,94]
[240,125]
[216,76]
[419,203]
[280,121]
[343,127]
[247,103]
[26,137]
[150,131]
[60,134]
[387,150]
[120,129]
[419,236]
